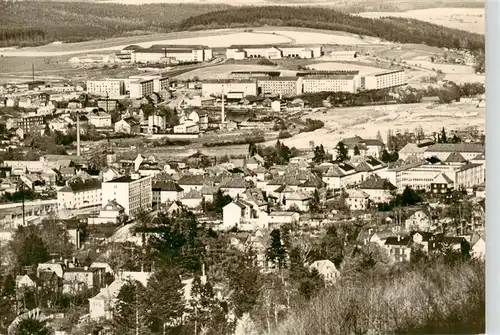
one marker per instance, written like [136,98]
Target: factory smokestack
[222,112]
[77,133]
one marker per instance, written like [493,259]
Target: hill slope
[29,23]
[390,28]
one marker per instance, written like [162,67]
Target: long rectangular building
[286,86]
[273,51]
[339,83]
[383,80]
[217,87]
[112,87]
[164,53]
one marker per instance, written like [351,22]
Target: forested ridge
[30,23]
[389,28]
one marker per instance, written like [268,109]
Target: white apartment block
[111,87]
[142,87]
[288,86]
[216,87]
[181,53]
[335,83]
[79,195]
[384,80]
[132,192]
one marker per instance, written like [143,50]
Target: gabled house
[192,199]
[327,269]
[233,186]
[357,200]
[340,175]
[190,182]
[297,201]
[26,281]
[441,184]
[76,280]
[399,248]
[128,126]
[411,149]
[378,189]
[166,192]
[278,219]
[235,212]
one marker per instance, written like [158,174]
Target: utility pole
[23,207]
[107,102]
[78,133]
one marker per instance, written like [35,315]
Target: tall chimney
[203,269]
[222,114]
[77,133]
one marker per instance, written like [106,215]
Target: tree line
[28,23]
[393,29]
[31,24]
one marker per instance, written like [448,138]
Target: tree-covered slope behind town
[28,23]
[392,29]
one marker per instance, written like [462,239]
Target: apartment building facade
[332,83]
[26,123]
[108,87]
[383,80]
[79,195]
[287,86]
[217,87]
[132,192]
[145,87]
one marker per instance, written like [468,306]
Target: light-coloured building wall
[111,87]
[132,194]
[216,88]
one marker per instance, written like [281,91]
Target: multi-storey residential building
[383,80]
[142,87]
[108,87]
[80,194]
[216,87]
[273,51]
[330,83]
[132,192]
[287,86]
[26,123]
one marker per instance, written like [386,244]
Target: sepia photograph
[242,167]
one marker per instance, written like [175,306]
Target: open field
[367,121]
[468,19]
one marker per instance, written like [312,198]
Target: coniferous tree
[245,282]
[356,151]
[128,313]
[342,152]
[32,326]
[164,298]
[276,252]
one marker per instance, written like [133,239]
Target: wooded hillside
[29,23]
[392,29]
